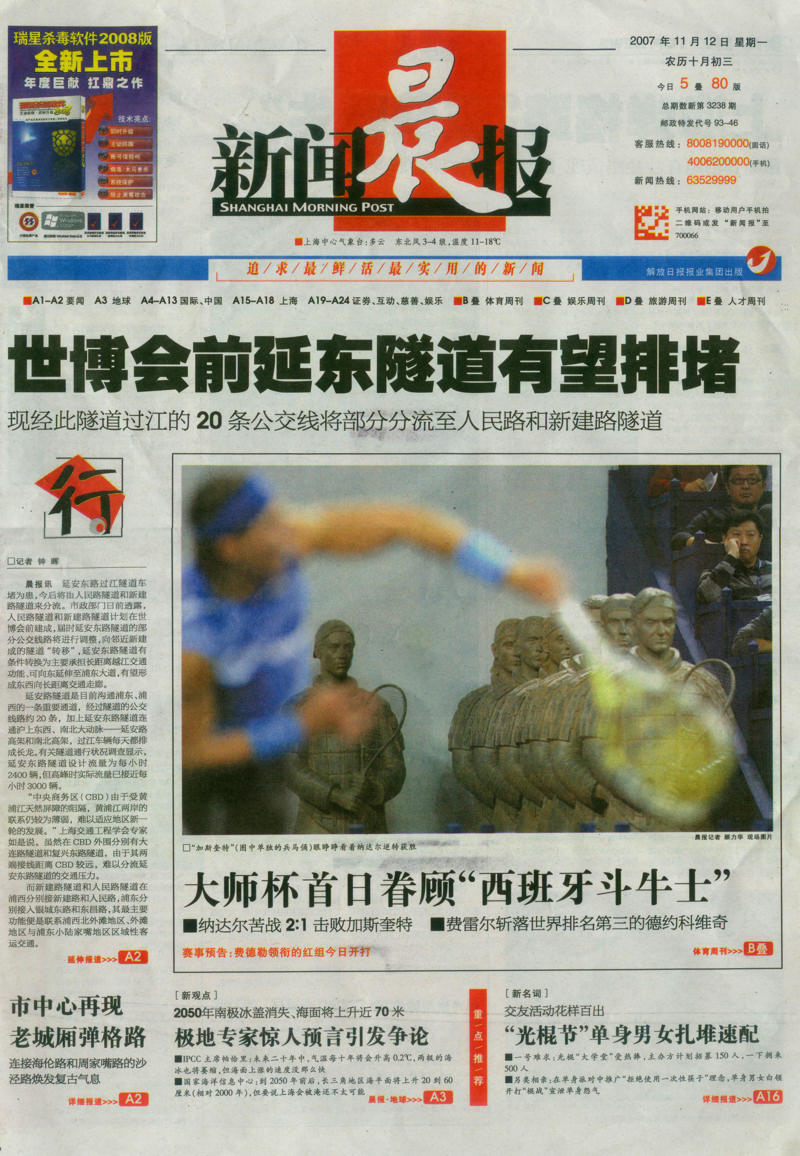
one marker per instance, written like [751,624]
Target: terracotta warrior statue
[340,785]
[654,620]
[473,713]
[591,744]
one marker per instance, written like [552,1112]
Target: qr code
[651,223]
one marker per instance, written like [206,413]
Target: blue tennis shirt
[259,647]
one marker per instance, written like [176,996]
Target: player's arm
[366,526]
[362,528]
[341,710]
[204,745]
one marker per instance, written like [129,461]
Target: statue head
[556,644]
[654,618]
[504,652]
[616,619]
[593,605]
[334,644]
[528,645]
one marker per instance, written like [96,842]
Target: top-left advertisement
[82,133]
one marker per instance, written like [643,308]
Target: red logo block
[77,485]
[133,955]
[437,1096]
[759,947]
[478,1045]
[433,92]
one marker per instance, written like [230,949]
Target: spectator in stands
[758,630]
[745,486]
[741,569]
[692,479]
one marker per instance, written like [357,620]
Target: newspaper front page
[333,814]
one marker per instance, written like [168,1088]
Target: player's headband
[238,512]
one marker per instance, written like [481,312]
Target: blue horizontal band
[241,508]
[482,556]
